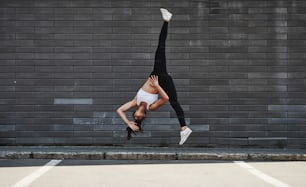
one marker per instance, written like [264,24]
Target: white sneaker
[184,135]
[166,14]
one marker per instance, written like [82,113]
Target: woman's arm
[163,95]
[122,113]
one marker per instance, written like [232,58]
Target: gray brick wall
[239,67]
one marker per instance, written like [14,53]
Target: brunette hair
[139,121]
[130,131]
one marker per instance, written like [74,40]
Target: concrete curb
[277,157]
[107,153]
[212,156]
[140,156]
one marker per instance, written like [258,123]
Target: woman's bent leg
[167,84]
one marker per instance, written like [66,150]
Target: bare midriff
[148,88]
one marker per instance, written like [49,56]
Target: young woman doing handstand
[159,83]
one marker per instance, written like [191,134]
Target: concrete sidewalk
[149,153]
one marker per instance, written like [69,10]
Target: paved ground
[147,173]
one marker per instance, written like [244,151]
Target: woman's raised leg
[160,66]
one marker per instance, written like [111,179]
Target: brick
[104,114]
[123,134]
[63,101]
[73,140]
[33,141]
[7,128]
[93,134]
[287,107]
[92,121]
[199,128]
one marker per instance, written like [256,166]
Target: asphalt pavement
[150,173]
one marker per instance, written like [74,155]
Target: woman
[159,83]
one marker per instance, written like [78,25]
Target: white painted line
[36,174]
[261,175]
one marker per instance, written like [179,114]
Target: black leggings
[165,80]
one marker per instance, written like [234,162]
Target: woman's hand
[154,80]
[133,126]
